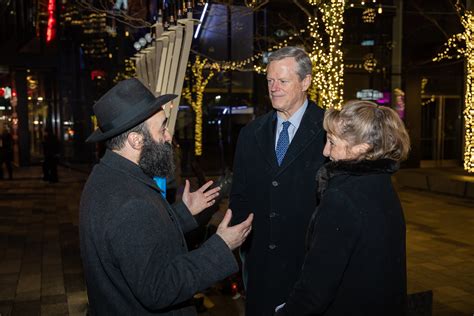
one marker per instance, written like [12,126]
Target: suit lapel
[310,128]
[265,136]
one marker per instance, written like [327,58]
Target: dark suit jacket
[135,258]
[282,199]
[355,263]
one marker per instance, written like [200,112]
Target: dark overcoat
[134,254]
[356,262]
[282,199]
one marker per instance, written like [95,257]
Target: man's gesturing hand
[200,199]
[235,235]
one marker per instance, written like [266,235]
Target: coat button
[272,246]
[275,183]
[272,214]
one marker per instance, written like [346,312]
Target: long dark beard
[156,158]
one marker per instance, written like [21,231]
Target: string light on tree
[327,59]
[462,45]
[193,92]
[128,72]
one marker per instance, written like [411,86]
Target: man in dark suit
[134,254]
[275,165]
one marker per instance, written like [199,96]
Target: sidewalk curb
[437,182]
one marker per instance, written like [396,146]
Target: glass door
[441,131]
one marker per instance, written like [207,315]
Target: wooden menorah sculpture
[162,66]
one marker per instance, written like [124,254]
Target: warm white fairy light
[129,71]
[196,88]
[462,45]
[328,66]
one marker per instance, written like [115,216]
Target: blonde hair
[362,122]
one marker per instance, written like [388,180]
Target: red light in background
[2,92]
[234,288]
[97,74]
[50,31]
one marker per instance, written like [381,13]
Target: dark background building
[59,56]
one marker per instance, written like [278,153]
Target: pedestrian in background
[276,161]
[6,153]
[356,260]
[132,245]
[51,156]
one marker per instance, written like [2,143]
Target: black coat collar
[129,168]
[353,168]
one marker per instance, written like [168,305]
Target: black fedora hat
[126,105]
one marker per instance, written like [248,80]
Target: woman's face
[338,149]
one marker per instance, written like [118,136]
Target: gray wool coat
[134,254]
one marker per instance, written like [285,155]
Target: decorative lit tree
[193,92]
[462,46]
[325,30]
[327,58]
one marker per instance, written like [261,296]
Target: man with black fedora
[133,250]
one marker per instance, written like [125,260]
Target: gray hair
[118,142]
[362,122]
[300,56]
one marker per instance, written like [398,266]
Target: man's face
[156,157]
[287,92]
[157,126]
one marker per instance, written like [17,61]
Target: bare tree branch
[302,8]
[261,5]
[120,16]
[432,20]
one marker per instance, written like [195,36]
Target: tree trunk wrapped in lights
[327,58]
[468,23]
[193,92]
[462,45]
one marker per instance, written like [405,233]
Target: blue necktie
[283,142]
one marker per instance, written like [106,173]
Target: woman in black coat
[355,262]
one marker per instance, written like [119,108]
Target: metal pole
[397,34]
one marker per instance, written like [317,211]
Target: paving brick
[58,309]
[22,308]
[29,287]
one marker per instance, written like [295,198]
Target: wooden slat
[158,55]
[143,70]
[181,72]
[136,59]
[164,52]
[171,34]
[179,30]
[150,66]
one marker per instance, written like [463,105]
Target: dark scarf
[355,168]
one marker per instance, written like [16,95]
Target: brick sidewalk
[40,267]
[41,273]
